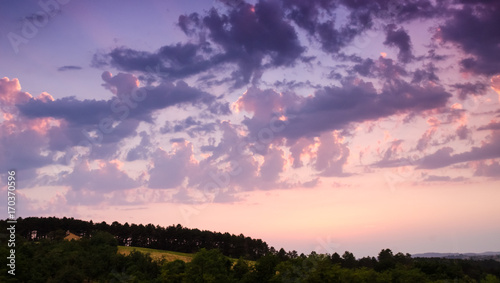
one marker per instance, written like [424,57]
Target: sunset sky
[326,125]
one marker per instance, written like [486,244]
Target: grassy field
[167,255]
[158,254]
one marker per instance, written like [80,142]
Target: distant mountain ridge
[458,255]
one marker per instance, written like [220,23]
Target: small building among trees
[70,236]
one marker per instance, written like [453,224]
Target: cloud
[107,178]
[170,169]
[392,156]
[425,75]
[247,39]
[474,30]
[69,68]
[435,178]
[444,157]
[383,68]
[310,16]
[425,140]
[334,108]
[11,95]
[242,38]
[120,84]
[190,126]
[142,150]
[495,83]
[23,142]
[109,121]
[306,15]
[488,170]
[397,11]
[400,39]
[466,89]
[299,148]
[272,166]
[331,156]
[22,148]
[491,126]
[463,132]
[74,111]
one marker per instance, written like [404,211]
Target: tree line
[94,258]
[173,238]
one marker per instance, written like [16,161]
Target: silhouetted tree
[209,266]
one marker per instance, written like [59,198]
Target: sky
[325,125]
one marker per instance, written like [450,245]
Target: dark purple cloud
[142,150]
[383,68]
[391,157]
[488,170]
[82,112]
[425,140]
[428,74]
[245,35]
[399,38]
[490,126]
[397,11]
[316,18]
[335,107]
[172,61]
[306,14]
[190,125]
[466,89]
[475,30]
[444,157]
[248,33]
[463,132]
[69,68]
[130,102]
[366,68]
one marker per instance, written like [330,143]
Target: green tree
[265,268]
[240,269]
[173,271]
[490,278]
[209,266]
[348,260]
[385,260]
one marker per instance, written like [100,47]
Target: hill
[485,255]
[157,254]
[174,238]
